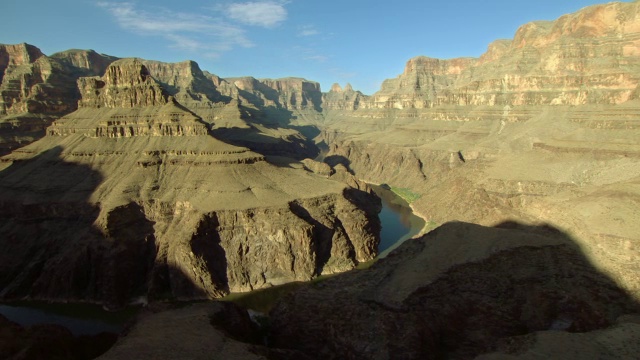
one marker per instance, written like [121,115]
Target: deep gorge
[127,178]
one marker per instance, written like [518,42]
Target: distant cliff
[36,89]
[540,128]
[590,57]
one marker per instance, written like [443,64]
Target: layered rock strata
[36,89]
[132,195]
[257,114]
[288,93]
[342,99]
[589,57]
[542,127]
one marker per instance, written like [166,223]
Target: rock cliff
[461,291]
[589,57]
[287,93]
[36,89]
[126,84]
[210,97]
[540,128]
[132,195]
[342,99]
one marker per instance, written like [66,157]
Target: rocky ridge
[133,195]
[287,93]
[342,99]
[589,57]
[462,291]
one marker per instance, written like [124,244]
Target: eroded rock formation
[172,182]
[132,195]
[36,89]
[542,127]
[461,291]
[342,99]
[287,93]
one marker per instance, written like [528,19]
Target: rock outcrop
[85,62]
[197,331]
[126,84]
[213,99]
[342,99]
[131,195]
[461,291]
[288,93]
[36,89]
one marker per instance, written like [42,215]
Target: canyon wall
[287,93]
[540,128]
[133,194]
[36,89]
[589,57]
[463,290]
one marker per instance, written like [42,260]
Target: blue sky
[361,42]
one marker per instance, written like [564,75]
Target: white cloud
[259,13]
[184,31]
[308,30]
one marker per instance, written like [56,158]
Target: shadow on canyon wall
[274,117]
[493,284]
[472,307]
[49,341]
[52,249]
[45,218]
[16,135]
[44,206]
[297,148]
[333,160]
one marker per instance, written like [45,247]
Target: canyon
[133,194]
[128,177]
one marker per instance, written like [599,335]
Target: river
[398,224]
[80,319]
[397,220]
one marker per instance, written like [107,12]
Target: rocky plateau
[128,177]
[133,194]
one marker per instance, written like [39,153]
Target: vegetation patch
[430,225]
[406,194]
